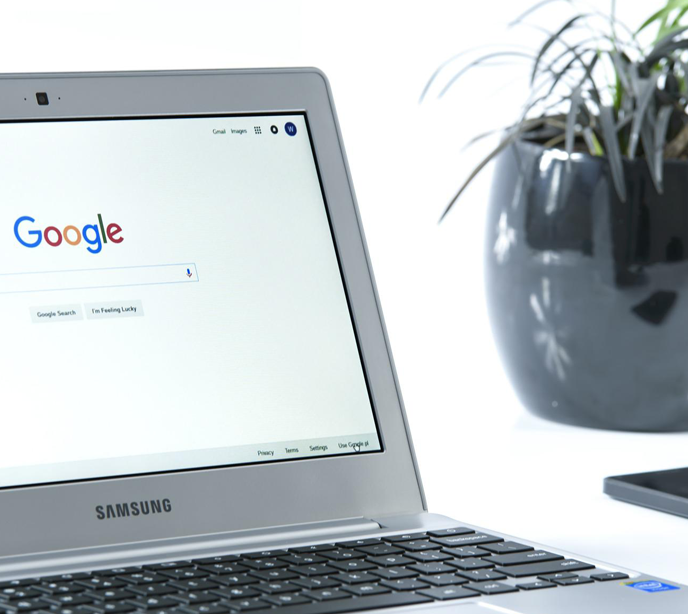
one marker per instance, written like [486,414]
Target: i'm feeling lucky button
[113,309]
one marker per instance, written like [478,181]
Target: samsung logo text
[134,508]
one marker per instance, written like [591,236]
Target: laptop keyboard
[349,576]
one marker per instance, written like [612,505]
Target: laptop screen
[170,299]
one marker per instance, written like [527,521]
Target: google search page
[170,298]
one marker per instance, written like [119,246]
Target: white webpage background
[260,350]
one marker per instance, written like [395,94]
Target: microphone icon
[188,272]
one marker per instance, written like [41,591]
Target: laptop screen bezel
[63,516]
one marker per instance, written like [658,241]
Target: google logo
[94,234]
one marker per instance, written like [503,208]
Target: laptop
[200,409]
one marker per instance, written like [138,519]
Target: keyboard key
[287,599]
[303,559]
[391,560]
[183,574]
[271,575]
[247,605]
[169,565]
[521,558]
[153,603]
[98,583]
[264,564]
[211,560]
[205,608]
[429,569]
[356,565]
[190,585]
[316,583]
[481,575]
[380,550]
[70,600]
[575,580]
[417,545]
[327,594]
[466,552]
[474,539]
[60,587]
[444,593]
[235,580]
[343,554]
[491,588]
[26,605]
[608,576]
[18,593]
[314,570]
[537,585]
[539,569]
[154,590]
[394,573]
[368,602]
[65,577]
[357,543]
[117,571]
[507,547]
[112,594]
[221,569]
[453,531]
[465,564]
[366,589]
[265,554]
[428,556]
[146,577]
[405,537]
[277,588]
[445,579]
[557,576]
[110,607]
[196,597]
[310,549]
[236,592]
[407,584]
[15,583]
[356,578]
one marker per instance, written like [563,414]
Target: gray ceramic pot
[586,294]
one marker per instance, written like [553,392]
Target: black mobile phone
[666,491]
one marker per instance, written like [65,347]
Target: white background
[483,459]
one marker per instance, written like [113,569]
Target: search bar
[86,279]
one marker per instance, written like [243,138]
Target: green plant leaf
[591,141]
[550,41]
[647,137]
[668,38]
[455,57]
[661,127]
[508,140]
[660,14]
[663,53]
[479,61]
[611,147]
[618,62]
[576,99]
[646,90]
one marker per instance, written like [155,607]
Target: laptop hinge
[122,555]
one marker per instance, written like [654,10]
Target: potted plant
[587,229]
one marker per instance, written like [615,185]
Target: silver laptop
[200,413]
